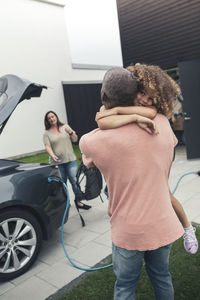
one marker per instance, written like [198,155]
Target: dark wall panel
[82,102]
[159,32]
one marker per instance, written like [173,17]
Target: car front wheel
[20,242]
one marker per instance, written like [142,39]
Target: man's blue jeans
[127,266]
[68,171]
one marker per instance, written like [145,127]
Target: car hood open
[13,90]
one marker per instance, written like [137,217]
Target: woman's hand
[69,130]
[147,124]
[51,153]
[72,134]
[55,158]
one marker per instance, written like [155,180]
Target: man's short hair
[119,88]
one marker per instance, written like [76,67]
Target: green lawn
[38,158]
[44,158]
[184,267]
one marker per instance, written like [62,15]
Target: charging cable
[185,174]
[50,179]
[62,226]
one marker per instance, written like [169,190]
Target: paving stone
[104,239]
[79,238]
[53,252]
[60,273]
[91,254]
[32,289]
[5,287]
[36,268]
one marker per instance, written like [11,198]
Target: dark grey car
[31,208]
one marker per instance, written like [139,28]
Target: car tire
[20,242]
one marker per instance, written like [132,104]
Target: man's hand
[147,124]
[87,161]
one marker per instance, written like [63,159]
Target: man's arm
[88,162]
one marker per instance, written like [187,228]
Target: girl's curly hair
[165,88]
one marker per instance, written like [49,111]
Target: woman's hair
[46,121]
[165,88]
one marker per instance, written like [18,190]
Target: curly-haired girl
[157,93]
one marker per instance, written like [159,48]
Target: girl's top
[61,145]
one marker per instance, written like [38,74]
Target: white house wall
[34,46]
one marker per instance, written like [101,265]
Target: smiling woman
[58,139]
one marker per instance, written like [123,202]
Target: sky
[93,32]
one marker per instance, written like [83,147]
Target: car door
[189,72]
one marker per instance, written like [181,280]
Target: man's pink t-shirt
[136,166]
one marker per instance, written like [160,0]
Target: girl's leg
[179,211]
[190,240]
